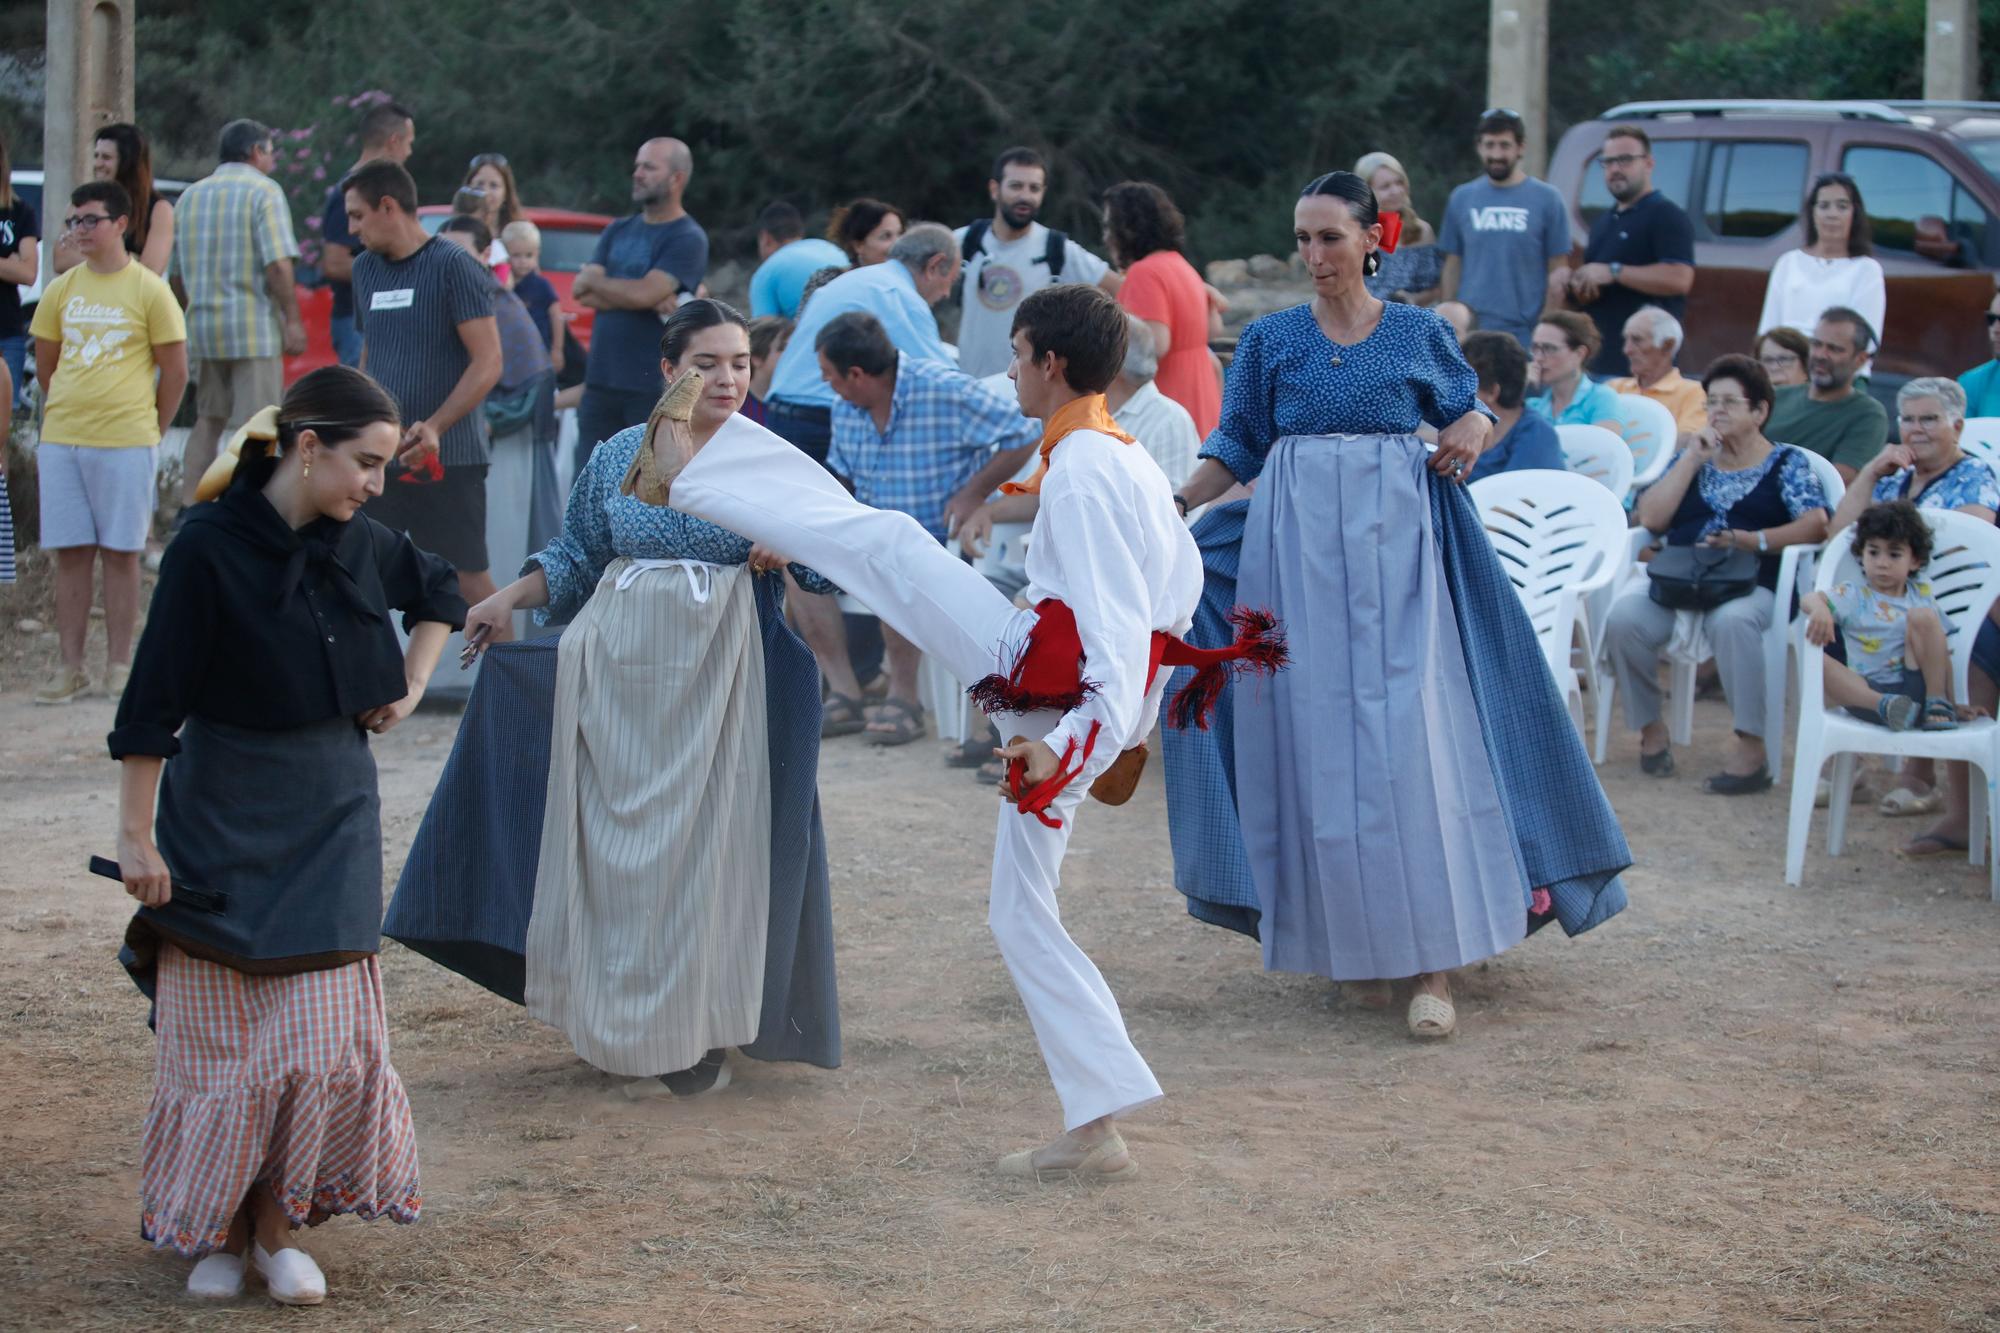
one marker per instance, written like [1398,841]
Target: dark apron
[288,826]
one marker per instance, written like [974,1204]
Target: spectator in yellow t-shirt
[1653,339]
[111,356]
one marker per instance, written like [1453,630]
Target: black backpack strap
[975,239]
[1056,252]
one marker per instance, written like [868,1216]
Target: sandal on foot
[1021,1165]
[1739,784]
[1926,845]
[1902,802]
[1897,712]
[1430,1017]
[1940,715]
[904,722]
[971,753]
[840,716]
[1658,764]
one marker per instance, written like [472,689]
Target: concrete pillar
[1951,51]
[1517,70]
[89,85]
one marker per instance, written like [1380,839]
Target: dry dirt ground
[1736,1106]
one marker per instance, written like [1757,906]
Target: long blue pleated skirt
[467,890]
[1399,791]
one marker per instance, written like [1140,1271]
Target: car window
[1673,176]
[567,251]
[1754,188]
[1901,189]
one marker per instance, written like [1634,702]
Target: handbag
[1701,578]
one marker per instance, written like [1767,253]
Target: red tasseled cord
[1259,647]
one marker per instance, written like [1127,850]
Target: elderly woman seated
[1730,489]
[1929,469]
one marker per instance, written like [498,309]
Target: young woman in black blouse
[267,659]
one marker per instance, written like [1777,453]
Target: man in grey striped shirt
[424,310]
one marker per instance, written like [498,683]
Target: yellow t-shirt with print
[102,392]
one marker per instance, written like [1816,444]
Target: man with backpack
[1010,255]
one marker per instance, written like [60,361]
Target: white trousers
[755,484]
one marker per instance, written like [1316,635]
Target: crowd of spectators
[849,362]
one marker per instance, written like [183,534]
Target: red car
[568,241]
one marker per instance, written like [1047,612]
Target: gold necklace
[1348,329]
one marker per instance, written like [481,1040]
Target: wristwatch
[1616,269]
[1180,503]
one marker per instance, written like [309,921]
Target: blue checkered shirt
[944,426]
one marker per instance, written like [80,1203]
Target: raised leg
[752,482]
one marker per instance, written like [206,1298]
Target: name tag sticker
[398,299]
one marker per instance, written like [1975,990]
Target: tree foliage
[1227,103]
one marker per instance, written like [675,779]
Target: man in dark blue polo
[644,265]
[1641,252]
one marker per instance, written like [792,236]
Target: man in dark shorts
[425,313]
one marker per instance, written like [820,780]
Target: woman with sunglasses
[1835,267]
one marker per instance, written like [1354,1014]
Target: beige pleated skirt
[652,895]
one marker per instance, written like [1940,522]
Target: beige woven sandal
[1431,1018]
[650,477]
[1021,1165]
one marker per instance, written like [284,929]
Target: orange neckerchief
[1085,413]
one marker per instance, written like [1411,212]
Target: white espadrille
[291,1275]
[218,1277]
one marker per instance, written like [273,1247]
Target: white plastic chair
[1560,536]
[1795,569]
[942,696]
[1650,430]
[1981,439]
[1594,452]
[1964,574]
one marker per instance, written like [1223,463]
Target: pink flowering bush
[317,154]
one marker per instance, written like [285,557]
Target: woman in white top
[1834,267]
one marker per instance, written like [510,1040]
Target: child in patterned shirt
[1898,668]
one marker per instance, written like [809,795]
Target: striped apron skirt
[267,1075]
[646,946]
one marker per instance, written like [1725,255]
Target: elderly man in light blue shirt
[899,293]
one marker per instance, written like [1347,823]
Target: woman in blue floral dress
[630,843]
[1411,795]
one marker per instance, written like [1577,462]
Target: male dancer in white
[1076,681]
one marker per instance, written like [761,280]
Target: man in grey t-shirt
[1503,233]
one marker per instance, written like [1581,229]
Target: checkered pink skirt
[283,1080]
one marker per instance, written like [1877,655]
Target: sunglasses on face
[1992,319]
[1623,159]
